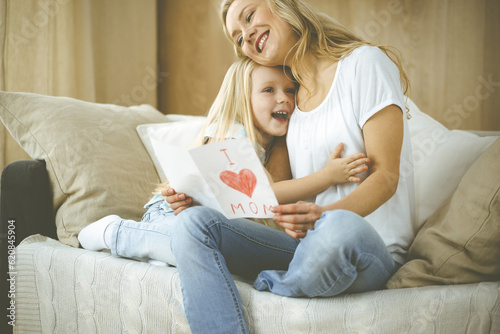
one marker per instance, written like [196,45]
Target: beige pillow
[460,243]
[96,162]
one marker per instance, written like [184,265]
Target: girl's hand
[342,170]
[297,218]
[178,202]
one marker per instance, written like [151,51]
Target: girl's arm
[338,170]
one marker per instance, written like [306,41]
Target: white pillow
[180,132]
[180,117]
[440,159]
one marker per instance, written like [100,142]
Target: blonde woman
[349,238]
[255,102]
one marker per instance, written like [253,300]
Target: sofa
[91,160]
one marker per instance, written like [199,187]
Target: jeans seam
[250,238]
[241,317]
[114,243]
[141,229]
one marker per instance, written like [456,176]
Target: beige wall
[93,50]
[451,52]
[194,54]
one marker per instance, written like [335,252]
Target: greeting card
[226,176]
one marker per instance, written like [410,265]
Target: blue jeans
[343,253]
[149,238]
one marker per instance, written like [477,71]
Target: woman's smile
[261,41]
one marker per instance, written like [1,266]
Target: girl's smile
[273,100]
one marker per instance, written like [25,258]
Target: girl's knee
[191,227]
[194,218]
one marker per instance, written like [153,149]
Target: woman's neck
[317,76]
[313,70]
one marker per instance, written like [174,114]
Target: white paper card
[226,176]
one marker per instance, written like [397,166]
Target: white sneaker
[93,236]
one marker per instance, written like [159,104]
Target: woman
[351,237]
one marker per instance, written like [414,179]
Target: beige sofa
[99,161]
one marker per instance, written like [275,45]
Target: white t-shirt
[365,82]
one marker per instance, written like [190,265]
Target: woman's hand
[297,218]
[341,170]
[178,202]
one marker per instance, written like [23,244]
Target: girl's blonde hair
[317,33]
[231,106]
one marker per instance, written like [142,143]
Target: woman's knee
[337,235]
[344,227]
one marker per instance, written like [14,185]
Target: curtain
[93,50]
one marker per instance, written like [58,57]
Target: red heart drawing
[245,181]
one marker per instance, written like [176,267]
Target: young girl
[255,102]
[351,237]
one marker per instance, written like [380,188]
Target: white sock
[97,235]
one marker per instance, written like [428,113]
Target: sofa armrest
[25,208]
[26,201]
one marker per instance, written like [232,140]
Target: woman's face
[260,34]
[273,101]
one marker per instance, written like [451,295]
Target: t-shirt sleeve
[376,84]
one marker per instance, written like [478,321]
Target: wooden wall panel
[194,55]
[450,48]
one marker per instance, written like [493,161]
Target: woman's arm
[338,170]
[383,135]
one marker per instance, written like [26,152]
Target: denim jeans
[149,238]
[343,253]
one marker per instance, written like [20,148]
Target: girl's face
[273,101]
[260,34]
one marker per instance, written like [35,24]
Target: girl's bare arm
[339,170]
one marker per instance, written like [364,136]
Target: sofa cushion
[440,159]
[182,131]
[460,243]
[96,161]
[68,290]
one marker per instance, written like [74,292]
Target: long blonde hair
[231,106]
[318,33]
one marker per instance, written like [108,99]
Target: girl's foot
[97,236]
